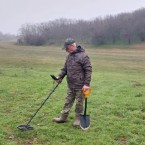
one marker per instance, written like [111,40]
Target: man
[78,70]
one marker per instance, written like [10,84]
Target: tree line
[121,28]
[7,37]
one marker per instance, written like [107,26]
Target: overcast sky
[15,13]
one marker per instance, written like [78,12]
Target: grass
[116,105]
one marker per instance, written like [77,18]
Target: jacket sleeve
[87,68]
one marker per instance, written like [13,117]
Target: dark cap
[68,41]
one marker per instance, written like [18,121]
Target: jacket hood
[79,49]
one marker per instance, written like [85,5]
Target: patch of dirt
[139,95]
[137,84]
[122,140]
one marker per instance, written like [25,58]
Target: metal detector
[26,126]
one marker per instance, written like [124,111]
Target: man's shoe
[61,119]
[76,122]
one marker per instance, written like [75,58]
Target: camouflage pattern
[77,68]
[73,95]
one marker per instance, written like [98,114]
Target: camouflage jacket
[78,69]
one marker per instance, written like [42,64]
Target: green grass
[116,105]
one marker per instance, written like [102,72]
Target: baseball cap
[68,41]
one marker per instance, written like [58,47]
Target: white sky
[15,13]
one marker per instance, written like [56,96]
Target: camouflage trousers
[72,96]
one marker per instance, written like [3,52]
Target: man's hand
[86,91]
[85,88]
[58,80]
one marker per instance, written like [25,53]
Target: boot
[61,119]
[76,122]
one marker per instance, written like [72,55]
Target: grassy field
[116,105]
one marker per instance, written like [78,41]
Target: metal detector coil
[25,127]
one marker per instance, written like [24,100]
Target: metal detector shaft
[42,103]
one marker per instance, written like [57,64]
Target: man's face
[71,48]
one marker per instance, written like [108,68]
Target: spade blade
[84,121]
